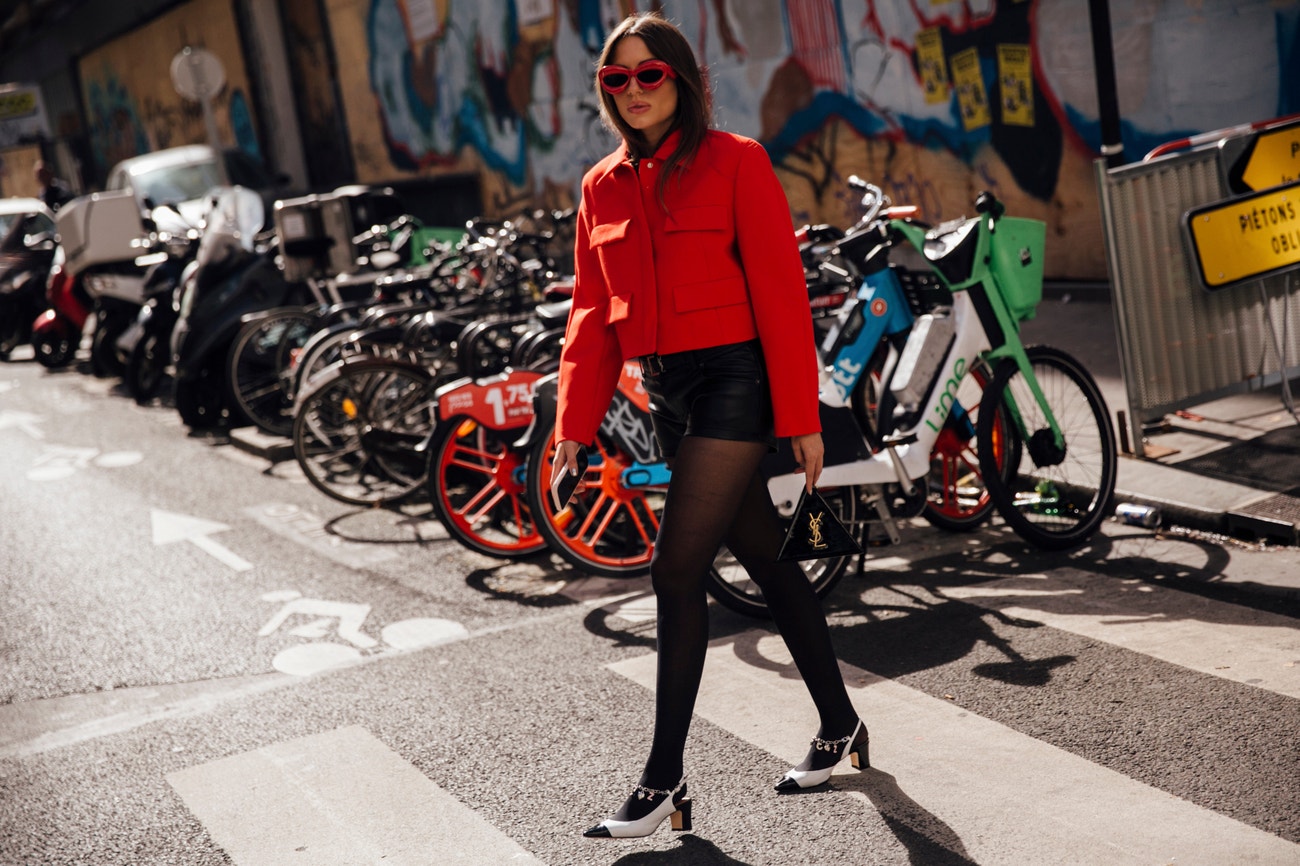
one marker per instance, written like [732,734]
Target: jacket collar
[623,156]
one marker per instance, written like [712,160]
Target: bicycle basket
[1018,257]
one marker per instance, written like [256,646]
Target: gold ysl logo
[815,540]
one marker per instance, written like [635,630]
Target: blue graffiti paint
[472,130]
[116,129]
[590,28]
[1137,142]
[824,106]
[241,121]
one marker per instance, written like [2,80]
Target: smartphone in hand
[563,485]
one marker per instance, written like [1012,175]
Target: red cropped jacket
[717,264]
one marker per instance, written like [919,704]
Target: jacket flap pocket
[697,219]
[608,232]
[619,307]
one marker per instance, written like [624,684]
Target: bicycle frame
[979,268]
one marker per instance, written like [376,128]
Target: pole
[1103,58]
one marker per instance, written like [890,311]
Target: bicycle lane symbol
[61,461]
[347,620]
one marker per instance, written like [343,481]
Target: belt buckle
[652,365]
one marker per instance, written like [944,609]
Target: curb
[253,441]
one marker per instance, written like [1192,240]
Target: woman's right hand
[566,459]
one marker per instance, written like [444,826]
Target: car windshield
[175,183]
[15,226]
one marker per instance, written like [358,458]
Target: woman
[686,259]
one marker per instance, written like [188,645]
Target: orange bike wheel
[608,529]
[476,487]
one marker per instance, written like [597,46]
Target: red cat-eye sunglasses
[650,74]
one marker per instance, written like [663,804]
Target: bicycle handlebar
[987,203]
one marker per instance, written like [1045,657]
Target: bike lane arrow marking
[24,421]
[169,527]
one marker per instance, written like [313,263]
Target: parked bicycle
[1047,452]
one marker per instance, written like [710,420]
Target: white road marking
[995,795]
[169,527]
[340,797]
[24,421]
[1235,643]
[25,725]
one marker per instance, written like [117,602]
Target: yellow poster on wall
[972,98]
[930,62]
[1016,85]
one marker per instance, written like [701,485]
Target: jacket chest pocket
[614,250]
[617,264]
[699,259]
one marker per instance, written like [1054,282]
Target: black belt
[651,365]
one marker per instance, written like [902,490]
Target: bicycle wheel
[730,584]
[957,497]
[608,528]
[1053,497]
[317,354]
[361,435]
[476,488]
[260,364]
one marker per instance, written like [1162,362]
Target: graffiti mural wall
[126,88]
[932,99]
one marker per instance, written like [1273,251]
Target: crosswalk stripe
[1004,796]
[339,797]
[1235,643]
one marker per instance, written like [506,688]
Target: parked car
[26,250]
[181,176]
[15,210]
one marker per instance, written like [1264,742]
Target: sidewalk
[1230,467]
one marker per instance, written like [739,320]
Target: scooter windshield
[237,215]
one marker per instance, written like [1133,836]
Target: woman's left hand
[808,453]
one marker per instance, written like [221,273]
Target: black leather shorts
[720,393]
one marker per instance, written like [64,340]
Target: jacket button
[649,164]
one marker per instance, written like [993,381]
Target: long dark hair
[665,42]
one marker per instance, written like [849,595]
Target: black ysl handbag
[816,533]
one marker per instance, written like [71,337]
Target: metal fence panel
[1181,345]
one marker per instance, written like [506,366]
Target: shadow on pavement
[692,851]
[928,840]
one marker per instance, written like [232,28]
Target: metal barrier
[1179,344]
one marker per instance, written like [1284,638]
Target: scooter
[25,259]
[236,274]
[146,344]
[56,334]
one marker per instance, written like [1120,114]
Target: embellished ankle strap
[641,792]
[830,745]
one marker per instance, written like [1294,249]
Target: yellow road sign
[1272,159]
[1246,238]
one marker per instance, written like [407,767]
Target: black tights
[716,495]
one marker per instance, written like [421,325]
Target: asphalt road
[207,661]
